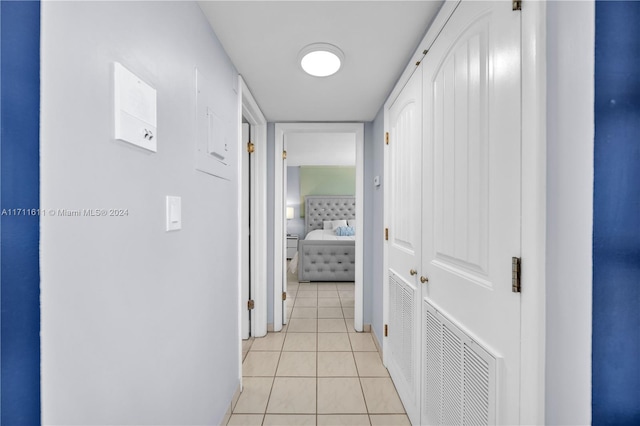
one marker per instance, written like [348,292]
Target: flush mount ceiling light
[321,59]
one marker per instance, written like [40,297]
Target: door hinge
[386,234]
[515,275]
[516,4]
[250,147]
[251,304]
[386,138]
[386,330]
[284,295]
[284,155]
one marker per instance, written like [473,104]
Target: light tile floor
[317,371]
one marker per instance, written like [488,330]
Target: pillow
[351,223]
[338,223]
[327,224]
[345,231]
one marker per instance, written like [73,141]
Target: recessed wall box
[216,141]
[214,153]
[135,109]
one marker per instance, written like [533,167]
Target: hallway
[316,371]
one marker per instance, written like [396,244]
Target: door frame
[248,107]
[533,201]
[281,130]
[244,244]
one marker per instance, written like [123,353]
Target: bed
[323,255]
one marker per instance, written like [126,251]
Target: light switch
[174,213]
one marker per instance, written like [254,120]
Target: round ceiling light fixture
[321,59]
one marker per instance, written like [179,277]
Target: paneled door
[471,217]
[404,242]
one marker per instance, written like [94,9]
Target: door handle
[413,272]
[424,279]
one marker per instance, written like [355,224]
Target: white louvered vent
[407,334]
[459,375]
[401,324]
[476,388]
[432,359]
[451,377]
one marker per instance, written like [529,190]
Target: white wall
[570,58]
[321,149]
[139,326]
[296,225]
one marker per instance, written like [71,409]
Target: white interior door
[404,243]
[245,278]
[471,215]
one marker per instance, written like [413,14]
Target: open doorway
[287,135]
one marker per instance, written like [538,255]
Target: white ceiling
[263,39]
[321,149]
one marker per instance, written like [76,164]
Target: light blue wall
[271,149]
[376,208]
[369,236]
[139,325]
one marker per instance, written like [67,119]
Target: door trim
[533,208]
[248,107]
[533,202]
[281,129]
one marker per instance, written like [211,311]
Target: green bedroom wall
[326,180]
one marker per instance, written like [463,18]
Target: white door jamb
[251,111]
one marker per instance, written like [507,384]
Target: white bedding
[327,235]
[319,235]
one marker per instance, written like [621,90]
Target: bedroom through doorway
[318,236]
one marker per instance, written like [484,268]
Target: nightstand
[292,245]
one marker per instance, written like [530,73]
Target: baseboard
[377,343]
[234,400]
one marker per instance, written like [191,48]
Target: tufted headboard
[319,208]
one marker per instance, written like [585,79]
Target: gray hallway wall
[136,321]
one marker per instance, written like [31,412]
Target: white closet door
[404,244]
[471,212]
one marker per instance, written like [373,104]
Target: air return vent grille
[459,376]
[402,326]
